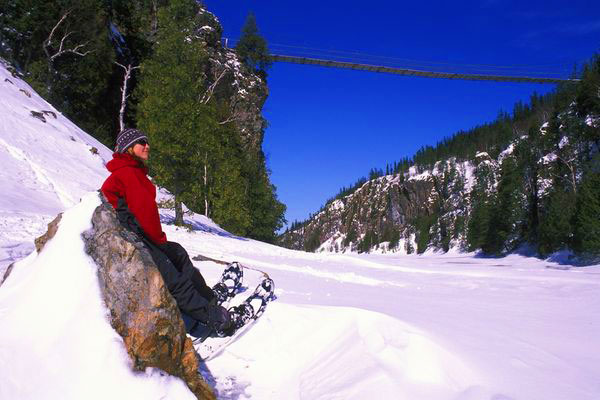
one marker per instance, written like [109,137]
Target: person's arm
[143,206]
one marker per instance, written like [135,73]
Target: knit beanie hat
[127,137]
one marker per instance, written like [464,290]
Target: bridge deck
[412,72]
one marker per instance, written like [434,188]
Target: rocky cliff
[382,214]
[524,194]
[231,82]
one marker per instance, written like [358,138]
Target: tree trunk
[206,185]
[178,212]
[124,96]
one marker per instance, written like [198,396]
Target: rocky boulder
[141,308]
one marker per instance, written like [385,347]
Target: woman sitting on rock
[133,196]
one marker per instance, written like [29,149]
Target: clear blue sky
[328,127]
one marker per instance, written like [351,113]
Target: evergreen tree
[587,217]
[267,213]
[351,236]
[479,222]
[369,240]
[529,151]
[228,197]
[423,225]
[556,227]
[178,125]
[481,200]
[507,215]
[252,48]
[394,238]
[74,77]
[587,99]
[313,241]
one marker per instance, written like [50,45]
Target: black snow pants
[185,283]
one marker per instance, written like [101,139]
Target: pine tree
[587,217]
[556,227]
[74,77]
[479,222]
[507,215]
[267,213]
[252,48]
[169,111]
[528,153]
[587,100]
[423,225]
[481,199]
[227,187]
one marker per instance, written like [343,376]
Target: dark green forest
[142,63]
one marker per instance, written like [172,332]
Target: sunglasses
[143,142]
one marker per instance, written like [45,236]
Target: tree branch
[61,48]
[209,92]
[48,41]
[230,119]
[569,164]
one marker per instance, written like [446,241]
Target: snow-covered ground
[417,327]
[344,326]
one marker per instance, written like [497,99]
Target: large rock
[142,310]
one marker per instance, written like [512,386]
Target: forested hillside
[529,177]
[160,66]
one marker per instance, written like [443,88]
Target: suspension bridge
[414,72]
[390,65]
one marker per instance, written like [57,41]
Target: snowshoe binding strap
[221,293]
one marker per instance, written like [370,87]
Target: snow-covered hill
[344,326]
[47,165]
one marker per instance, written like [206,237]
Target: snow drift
[56,340]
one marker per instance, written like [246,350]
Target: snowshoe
[229,284]
[254,306]
[243,315]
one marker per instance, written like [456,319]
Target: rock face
[142,310]
[391,213]
[232,83]
[386,204]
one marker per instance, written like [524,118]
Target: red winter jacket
[128,179]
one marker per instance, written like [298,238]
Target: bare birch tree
[124,96]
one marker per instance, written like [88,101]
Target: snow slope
[45,166]
[344,326]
